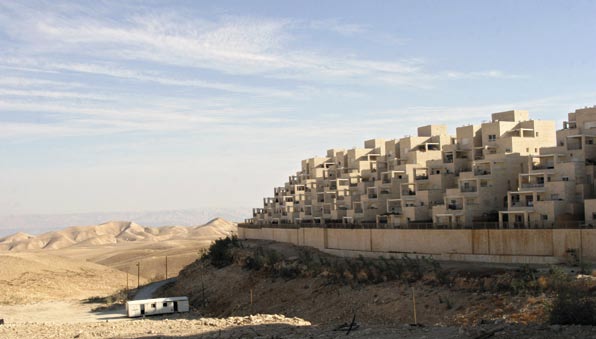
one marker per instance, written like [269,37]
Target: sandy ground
[274,326]
[60,312]
[86,271]
[35,277]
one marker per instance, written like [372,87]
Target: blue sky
[173,105]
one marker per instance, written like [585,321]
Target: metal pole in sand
[251,301]
[414,304]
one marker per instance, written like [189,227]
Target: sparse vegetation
[445,300]
[220,253]
[574,305]
[342,270]
[111,300]
[277,276]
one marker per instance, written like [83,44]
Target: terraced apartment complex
[511,172]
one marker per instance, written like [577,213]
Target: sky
[149,105]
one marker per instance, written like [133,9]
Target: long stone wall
[494,245]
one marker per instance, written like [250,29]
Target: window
[565,178]
[507,150]
[544,217]
[593,216]
[536,133]
[153,306]
[165,304]
[492,137]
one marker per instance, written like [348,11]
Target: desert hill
[114,232]
[83,261]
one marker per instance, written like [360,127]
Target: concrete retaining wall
[521,242]
[349,239]
[313,237]
[505,246]
[286,235]
[422,241]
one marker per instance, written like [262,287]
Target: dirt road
[147,291]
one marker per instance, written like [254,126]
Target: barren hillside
[269,277]
[83,261]
[31,277]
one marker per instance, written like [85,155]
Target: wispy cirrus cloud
[495,74]
[254,65]
[230,44]
[155,77]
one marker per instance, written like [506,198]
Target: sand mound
[17,237]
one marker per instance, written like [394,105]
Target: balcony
[395,210]
[482,172]
[455,207]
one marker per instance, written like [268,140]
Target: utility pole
[166,267]
[126,280]
[138,274]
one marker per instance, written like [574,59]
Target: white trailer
[139,308]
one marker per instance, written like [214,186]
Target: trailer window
[153,306]
[165,304]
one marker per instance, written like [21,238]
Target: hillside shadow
[252,331]
[113,312]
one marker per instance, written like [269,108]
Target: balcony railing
[482,172]
[468,189]
[522,204]
[574,147]
[541,167]
[534,185]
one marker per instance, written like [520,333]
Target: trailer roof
[155,300]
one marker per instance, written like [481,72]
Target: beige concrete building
[510,172]
[558,188]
